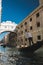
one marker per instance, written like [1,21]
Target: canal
[11,56]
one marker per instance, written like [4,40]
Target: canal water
[11,56]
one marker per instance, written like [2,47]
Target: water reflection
[11,56]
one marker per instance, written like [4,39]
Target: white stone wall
[7,26]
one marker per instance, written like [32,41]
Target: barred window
[39,37]
[21,26]
[38,24]
[25,39]
[30,27]
[25,30]
[21,32]
[30,19]
[25,23]
[37,15]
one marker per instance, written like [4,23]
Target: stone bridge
[7,26]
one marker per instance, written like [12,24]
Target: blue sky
[17,10]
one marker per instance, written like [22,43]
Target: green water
[11,56]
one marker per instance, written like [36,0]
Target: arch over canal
[7,26]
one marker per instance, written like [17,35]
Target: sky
[17,10]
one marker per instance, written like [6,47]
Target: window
[25,23]
[25,30]
[30,19]
[30,27]
[21,26]
[21,32]
[38,24]
[39,37]
[25,39]
[20,45]
[25,44]
[22,40]
[37,15]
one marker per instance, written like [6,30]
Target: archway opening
[8,38]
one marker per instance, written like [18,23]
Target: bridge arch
[7,26]
[6,31]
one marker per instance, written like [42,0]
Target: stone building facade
[33,23]
[10,39]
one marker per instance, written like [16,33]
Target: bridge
[7,26]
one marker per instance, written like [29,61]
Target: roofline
[39,7]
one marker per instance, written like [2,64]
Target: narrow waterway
[11,56]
